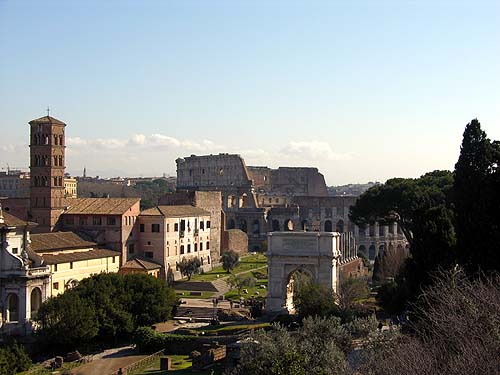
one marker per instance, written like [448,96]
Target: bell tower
[47,160]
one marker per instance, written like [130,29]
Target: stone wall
[236,240]
[354,268]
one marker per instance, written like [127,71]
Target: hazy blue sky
[364,90]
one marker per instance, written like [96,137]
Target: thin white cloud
[312,151]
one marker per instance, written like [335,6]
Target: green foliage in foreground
[318,347]
[13,359]
[104,307]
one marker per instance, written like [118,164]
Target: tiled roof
[141,264]
[47,120]
[75,256]
[58,241]
[13,221]
[98,206]
[175,211]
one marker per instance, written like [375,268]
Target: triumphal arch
[316,254]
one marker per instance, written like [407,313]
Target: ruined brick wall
[236,240]
[298,181]
[354,268]
[212,172]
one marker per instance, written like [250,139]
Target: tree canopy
[104,306]
[477,200]
[230,259]
[189,267]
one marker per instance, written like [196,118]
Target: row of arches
[288,225]
[12,311]
[243,225]
[372,251]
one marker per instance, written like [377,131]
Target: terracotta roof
[141,264]
[175,211]
[99,206]
[13,221]
[47,120]
[58,241]
[75,256]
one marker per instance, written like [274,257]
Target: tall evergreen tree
[477,205]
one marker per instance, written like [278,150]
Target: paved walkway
[108,361]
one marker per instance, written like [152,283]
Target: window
[114,260]
[111,220]
[189,248]
[168,227]
[183,225]
[56,285]
[208,224]
[155,228]
[149,243]
[55,267]
[182,249]
[141,227]
[176,227]
[70,265]
[202,225]
[96,220]
[148,254]
[14,250]
[208,245]
[195,247]
[201,246]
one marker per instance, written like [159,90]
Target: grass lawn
[256,291]
[247,263]
[187,294]
[40,370]
[181,365]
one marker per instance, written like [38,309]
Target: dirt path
[108,361]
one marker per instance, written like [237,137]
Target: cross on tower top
[48,111]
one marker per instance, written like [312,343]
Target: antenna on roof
[48,111]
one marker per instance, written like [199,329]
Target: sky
[362,90]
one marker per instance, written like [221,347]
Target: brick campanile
[47,145]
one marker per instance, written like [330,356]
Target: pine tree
[476,190]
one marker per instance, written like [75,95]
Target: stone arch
[289,252]
[12,308]
[293,281]
[35,301]
[276,225]
[231,224]
[243,225]
[304,225]
[243,201]
[362,250]
[372,253]
[288,227]
[340,226]
[381,249]
[71,284]
[328,226]
[256,227]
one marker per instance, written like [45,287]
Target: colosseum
[258,200]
